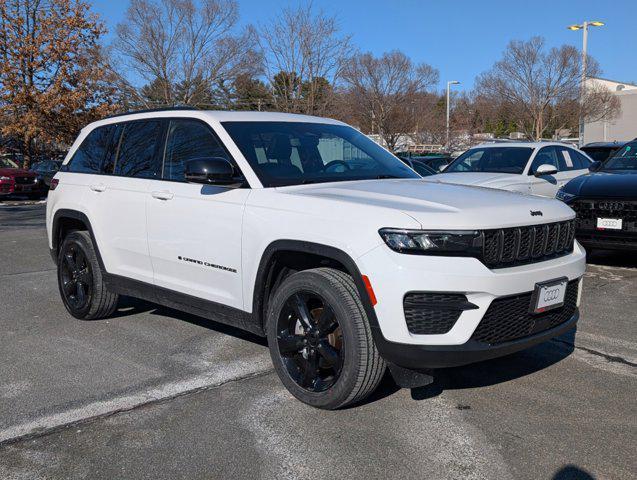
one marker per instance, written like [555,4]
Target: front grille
[24,180]
[589,210]
[508,247]
[430,313]
[509,318]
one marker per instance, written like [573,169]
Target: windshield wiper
[386,175]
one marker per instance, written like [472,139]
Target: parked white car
[303,230]
[540,168]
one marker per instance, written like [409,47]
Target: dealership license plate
[609,223]
[549,295]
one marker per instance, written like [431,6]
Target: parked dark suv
[45,170]
[601,151]
[605,201]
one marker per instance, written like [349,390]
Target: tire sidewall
[313,282]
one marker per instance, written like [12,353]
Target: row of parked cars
[34,182]
[598,181]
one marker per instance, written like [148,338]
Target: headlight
[419,242]
[5,178]
[565,197]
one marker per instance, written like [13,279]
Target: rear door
[572,164]
[194,230]
[117,197]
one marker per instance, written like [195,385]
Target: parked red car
[15,180]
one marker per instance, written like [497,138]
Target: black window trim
[160,149]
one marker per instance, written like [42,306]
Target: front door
[545,185]
[194,231]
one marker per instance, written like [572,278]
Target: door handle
[163,195]
[99,187]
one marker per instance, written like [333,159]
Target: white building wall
[622,128]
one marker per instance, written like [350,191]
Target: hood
[15,172]
[622,183]
[482,179]
[440,205]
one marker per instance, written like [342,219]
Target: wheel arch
[270,268]
[68,220]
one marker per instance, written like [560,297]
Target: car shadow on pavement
[477,375]
[131,306]
[485,373]
[612,258]
[499,370]
[572,472]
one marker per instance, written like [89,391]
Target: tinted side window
[546,156]
[137,149]
[581,160]
[188,140]
[90,154]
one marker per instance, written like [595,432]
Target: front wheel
[320,340]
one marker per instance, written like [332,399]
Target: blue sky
[462,38]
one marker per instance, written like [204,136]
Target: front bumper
[606,240]
[394,275]
[421,357]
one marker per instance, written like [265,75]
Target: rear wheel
[80,279]
[320,340]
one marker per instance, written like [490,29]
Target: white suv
[303,230]
[540,168]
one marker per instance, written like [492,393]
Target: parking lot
[155,393]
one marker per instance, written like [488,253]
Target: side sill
[183,302]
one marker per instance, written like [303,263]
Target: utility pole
[452,82]
[584,26]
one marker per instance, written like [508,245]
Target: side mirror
[545,169]
[595,166]
[210,171]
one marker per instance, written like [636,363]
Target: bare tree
[304,54]
[386,90]
[541,88]
[183,47]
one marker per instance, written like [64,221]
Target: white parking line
[245,368]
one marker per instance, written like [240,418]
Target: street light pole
[452,82]
[584,26]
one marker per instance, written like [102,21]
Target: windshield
[6,163]
[295,153]
[624,159]
[492,160]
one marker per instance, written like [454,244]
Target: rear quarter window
[90,154]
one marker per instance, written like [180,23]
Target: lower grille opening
[508,318]
[431,313]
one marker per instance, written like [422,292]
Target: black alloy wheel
[76,277]
[320,339]
[80,281]
[309,341]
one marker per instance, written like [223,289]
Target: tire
[330,298]
[80,279]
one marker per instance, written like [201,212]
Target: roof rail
[150,110]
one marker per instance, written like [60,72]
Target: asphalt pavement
[155,393]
